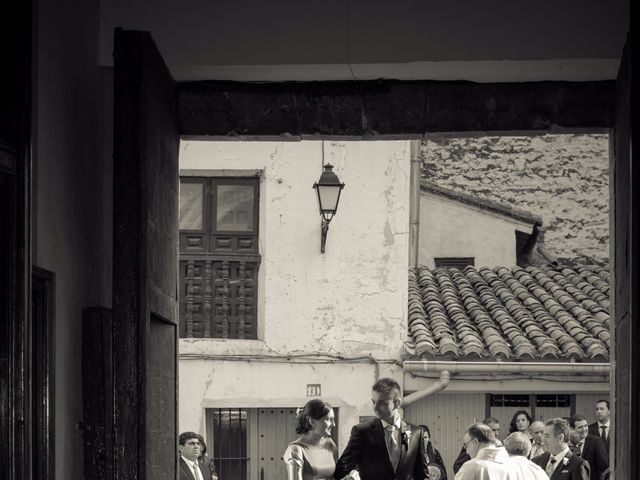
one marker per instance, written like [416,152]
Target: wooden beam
[386,108]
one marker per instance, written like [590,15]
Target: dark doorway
[43,321]
[7,270]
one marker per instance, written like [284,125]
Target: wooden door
[626,329]
[42,334]
[17,452]
[145,249]
[275,430]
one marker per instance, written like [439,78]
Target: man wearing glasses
[463,456]
[488,460]
[191,468]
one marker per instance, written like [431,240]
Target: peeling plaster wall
[451,229]
[350,301]
[562,178]
[243,384]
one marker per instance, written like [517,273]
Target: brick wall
[563,178]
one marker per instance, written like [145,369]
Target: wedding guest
[190,451]
[204,458]
[555,441]
[520,423]
[313,455]
[536,429]
[437,470]
[602,426]
[591,448]
[518,446]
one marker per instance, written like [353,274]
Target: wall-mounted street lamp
[328,189]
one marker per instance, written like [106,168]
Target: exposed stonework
[562,178]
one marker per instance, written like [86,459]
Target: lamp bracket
[324,229]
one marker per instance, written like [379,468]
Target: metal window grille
[506,400]
[560,401]
[230,442]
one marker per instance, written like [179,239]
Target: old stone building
[563,178]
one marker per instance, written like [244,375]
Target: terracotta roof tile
[516,313]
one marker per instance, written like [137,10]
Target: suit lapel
[404,448]
[556,472]
[186,468]
[544,459]
[378,435]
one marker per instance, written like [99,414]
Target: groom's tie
[392,446]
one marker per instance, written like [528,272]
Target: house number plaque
[313,390]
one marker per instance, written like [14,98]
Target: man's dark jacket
[595,452]
[571,467]
[367,453]
[463,457]
[186,473]
[594,429]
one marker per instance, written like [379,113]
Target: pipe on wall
[414,202]
[436,387]
[426,366]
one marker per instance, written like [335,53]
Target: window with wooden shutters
[219,257]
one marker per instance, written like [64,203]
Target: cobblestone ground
[563,178]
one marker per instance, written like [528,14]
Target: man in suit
[558,461]
[602,426]
[191,468]
[387,447]
[488,460]
[537,430]
[463,456]
[590,447]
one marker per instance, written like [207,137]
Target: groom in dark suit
[558,461]
[386,448]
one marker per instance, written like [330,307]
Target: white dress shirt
[606,430]
[397,422]
[558,458]
[394,446]
[194,467]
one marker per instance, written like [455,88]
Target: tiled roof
[513,313]
[485,204]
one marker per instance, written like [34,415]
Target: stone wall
[562,178]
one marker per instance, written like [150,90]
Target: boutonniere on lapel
[565,461]
[406,436]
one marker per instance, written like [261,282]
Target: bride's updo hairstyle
[314,409]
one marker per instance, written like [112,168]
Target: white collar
[191,463]
[397,421]
[606,424]
[561,455]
